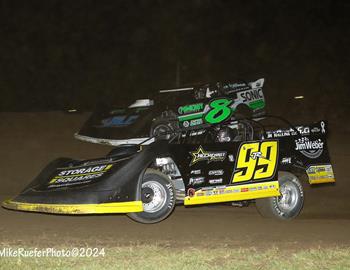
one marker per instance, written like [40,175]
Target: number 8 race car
[242,161]
[185,108]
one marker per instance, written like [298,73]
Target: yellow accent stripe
[108,167]
[321,180]
[235,193]
[76,209]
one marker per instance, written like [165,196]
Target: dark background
[56,55]
[77,54]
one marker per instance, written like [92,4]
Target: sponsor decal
[171,193]
[191,192]
[258,83]
[251,95]
[91,169]
[79,175]
[196,122]
[207,188]
[201,155]
[219,190]
[192,123]
[216,181]
[196,181]
[309,148]
[197,132]
[196,172]
[231,158]
[320,174]
[216,172]
[191,108]
[303,130]
[200,193]
[186,124]
[323,125]
[238,86]
[286,160]
[255,155]
[118,121]
[280,133]
[315,130]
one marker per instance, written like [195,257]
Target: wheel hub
[153,196]
[289,197]
[147,195]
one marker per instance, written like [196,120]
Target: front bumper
[76,209]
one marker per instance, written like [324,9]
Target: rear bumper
[76,209]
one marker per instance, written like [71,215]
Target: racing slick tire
[243,112]
[158,198]
[163,127]
[289,204]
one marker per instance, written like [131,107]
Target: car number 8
[220,111]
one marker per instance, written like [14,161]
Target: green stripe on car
[258,104]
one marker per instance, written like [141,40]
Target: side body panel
[248,170]
[106,185]
[307,150]
[228,171]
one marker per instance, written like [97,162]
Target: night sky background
[78,54]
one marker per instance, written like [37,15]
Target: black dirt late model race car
[184,108]
[242,161]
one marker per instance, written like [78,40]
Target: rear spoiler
[176,90]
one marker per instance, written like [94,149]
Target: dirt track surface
[29,141]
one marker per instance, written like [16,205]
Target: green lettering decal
[191,108]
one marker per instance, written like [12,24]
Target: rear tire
[243,112]
[289,204]
[158,198]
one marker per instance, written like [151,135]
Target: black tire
[161,128]
[158,197]
[243,112]
[289,204]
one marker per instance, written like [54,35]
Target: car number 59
[255,161]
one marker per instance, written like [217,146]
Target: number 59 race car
[244,161]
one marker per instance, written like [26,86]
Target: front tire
[163,128]
[289,204]
[158,198]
